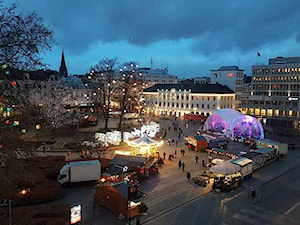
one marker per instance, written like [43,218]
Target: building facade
[178,99]
[78,94]
[157,76]
[201,80]
[275,91]
[232,76]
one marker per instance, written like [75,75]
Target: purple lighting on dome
[247,127]
[234,124]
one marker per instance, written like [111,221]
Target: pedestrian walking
[164,154]
[203,163]
[183,165]
[214,186]
[196,159]
[176,142]
[169,141]
[188,175]
[179,164]
[175,153]
[183,152]
[169,129]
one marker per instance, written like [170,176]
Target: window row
[276,86]
[182,105]
[276,71]
[272,112]
[276,78]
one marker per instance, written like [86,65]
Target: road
[279,202]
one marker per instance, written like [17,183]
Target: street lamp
[102,182]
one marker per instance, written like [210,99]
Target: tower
[63,72]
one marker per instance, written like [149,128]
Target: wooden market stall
[196,143]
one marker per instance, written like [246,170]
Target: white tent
[217,161]
[225,168]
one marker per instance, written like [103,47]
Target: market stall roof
[225,168]
[251,155]
[219,150]
[127,160]
[241,161]
[115,170]
[270,142]
[214,137]
[198,137]
[145,140]
[217,161]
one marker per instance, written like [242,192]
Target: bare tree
[22,38]
[102,77]
[129,88]
[51,97]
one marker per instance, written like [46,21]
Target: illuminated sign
[293,99]
[75,214]
[229,75]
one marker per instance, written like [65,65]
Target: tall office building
[275,91]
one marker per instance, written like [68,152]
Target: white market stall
[227,176]
[245,165]
[225,168]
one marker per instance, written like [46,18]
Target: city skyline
[190,39]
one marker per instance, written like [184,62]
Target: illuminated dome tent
[232,123]
[145,145]
[219,121]
[246,126]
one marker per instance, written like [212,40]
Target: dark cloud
[213,26]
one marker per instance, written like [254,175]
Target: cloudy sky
[190,37]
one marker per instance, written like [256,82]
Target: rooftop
[228,68]
[195,88]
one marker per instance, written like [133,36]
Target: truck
[79,171]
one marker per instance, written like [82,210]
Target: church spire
[63,72]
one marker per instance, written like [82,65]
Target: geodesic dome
[232,123]
[220,120]
[246,126]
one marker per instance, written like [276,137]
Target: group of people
[172,141]
[181,164]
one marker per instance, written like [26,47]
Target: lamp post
[102,182]
[37,128]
